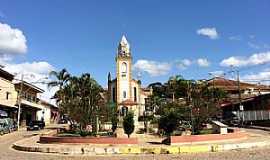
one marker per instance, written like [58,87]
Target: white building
[124,91]
[48,113]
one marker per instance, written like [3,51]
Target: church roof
[128,102]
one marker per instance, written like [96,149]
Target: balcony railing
[30,98]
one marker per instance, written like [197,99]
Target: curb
[109,150]
[259,127]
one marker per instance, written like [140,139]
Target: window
[114,95]
[124,67]
[135,94]
[7,95]
[125,94]
[124,111]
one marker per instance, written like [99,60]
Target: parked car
[4,127]
[65,119]
[11,124]
[35,125]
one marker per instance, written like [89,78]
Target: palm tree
[61,78]
[85,97]
[173,84]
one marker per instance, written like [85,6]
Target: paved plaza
[8,153]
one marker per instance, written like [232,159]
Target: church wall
[142,100]
[113,85]
[124,82]
[134,84]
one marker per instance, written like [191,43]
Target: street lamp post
[241,107]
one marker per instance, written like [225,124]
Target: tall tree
[61,78]
[79,97]
[205,104]
[128,124]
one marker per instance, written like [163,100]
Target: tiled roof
[228,84]
[128,102]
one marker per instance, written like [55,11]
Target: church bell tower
[123,68]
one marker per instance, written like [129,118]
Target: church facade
[126,92]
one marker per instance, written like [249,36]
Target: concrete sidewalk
[31,145]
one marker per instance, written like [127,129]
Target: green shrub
[206,131]
[168,122]
[128,124]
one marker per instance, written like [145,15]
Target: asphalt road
[7,153]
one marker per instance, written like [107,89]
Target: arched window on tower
[125,94]
[124,67]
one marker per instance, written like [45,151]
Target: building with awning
[30,103]
[243,98]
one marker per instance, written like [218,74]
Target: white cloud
[203,62]
[12,40]
[40,67]
[255,59]
[262,77]
[258,45]
[217,73]
[209,32]
[183,64]
[153,68]
[33,72]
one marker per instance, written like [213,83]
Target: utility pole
[259,84]
[97,119]
[20,103]
[190,105]
[241,107]
[239,89]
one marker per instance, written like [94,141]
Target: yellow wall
[7,86]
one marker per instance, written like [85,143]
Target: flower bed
[90,140]
[174,140]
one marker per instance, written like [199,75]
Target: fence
[254,115]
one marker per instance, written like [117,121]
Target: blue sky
[166,37]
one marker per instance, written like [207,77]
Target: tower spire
[124,40]
[109,77]
[124,47]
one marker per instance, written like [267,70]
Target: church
[126,92]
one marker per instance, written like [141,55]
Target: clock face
[124,67]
